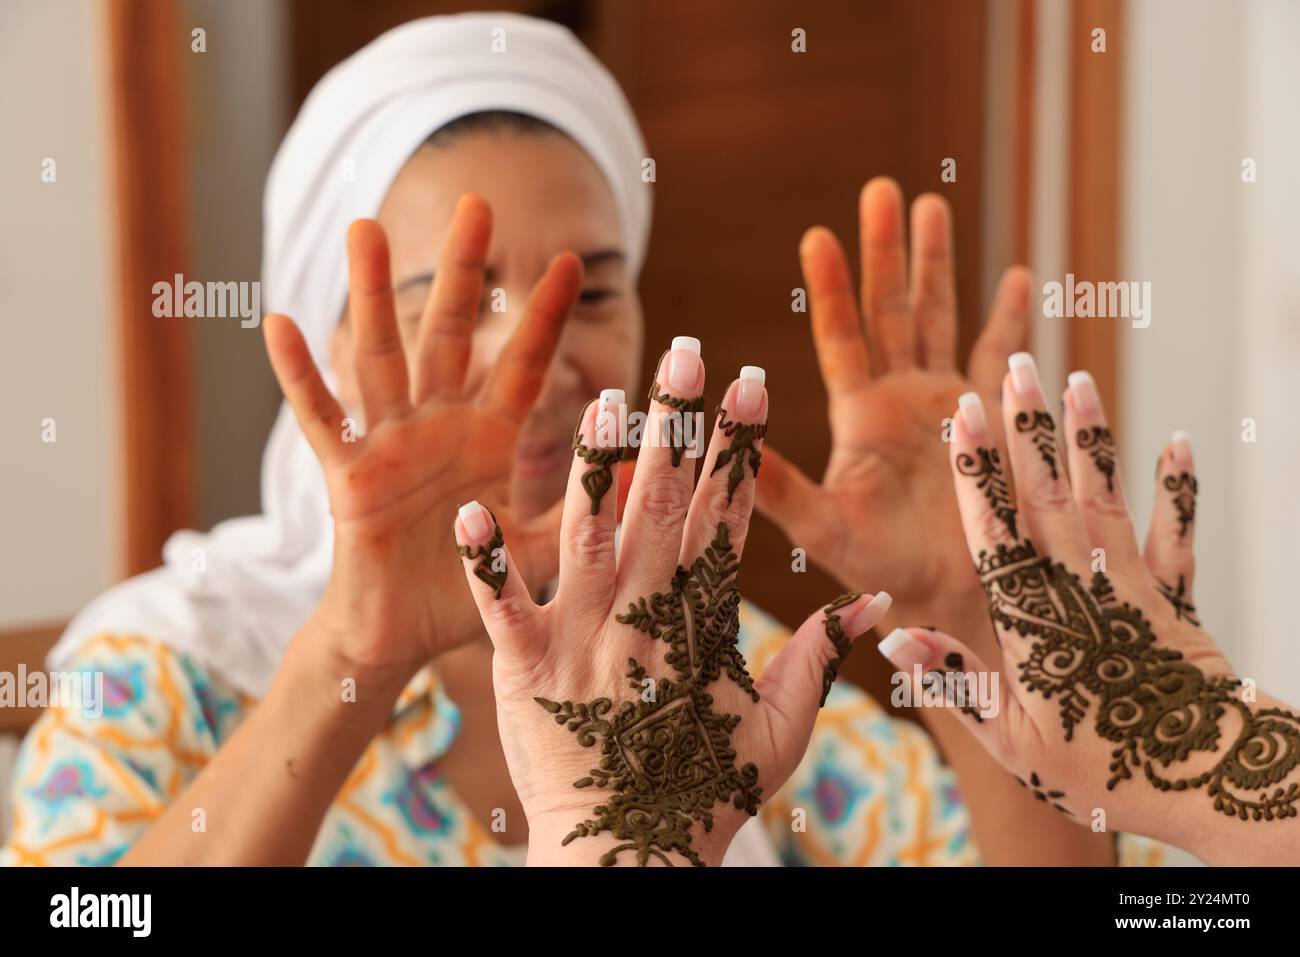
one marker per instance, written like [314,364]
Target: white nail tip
[893,641]
[469,510]
[756,373]
[882,600]
[1079,378]
[1019,359]
[970,400]
[1181,436]
[610,397]
[686,342]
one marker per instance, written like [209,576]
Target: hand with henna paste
[633,731]
[394,598]
[1113,696]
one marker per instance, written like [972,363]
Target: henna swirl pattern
[683,406]
[985,466]
[1099,445]
[489,556]
[598,479]
[667,756]
[1158,709]
[1042,432]
[838,639]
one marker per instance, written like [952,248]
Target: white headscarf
[234,597]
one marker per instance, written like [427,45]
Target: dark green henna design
[741,450]
[598,479]
[487,555]
[1099,445]
[684,406]
[842,643]
[1156,707]
[1184,610]
[1042,793]
[1184,488]
[985,466]
[1042,432]
[668,760]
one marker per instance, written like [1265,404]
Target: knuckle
[992,528]
[592,541]
[1100,502]
[734,513]
[509,612]
[1048,496]
[666,500]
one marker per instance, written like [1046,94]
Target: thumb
[799,678]
[786,495]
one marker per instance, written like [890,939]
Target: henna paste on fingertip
[669,760]
[486,555]
[1042,432]
[1184,488]
[841,642]
[677,404]
[1100,446]
[741,450]
[598,479]
[985,466]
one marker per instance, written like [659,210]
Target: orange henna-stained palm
[884,515]
[396,596]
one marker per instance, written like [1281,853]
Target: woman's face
[546,196]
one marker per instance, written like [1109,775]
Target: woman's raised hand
[395,598]
[888,358]
[633,732]
[1115,706]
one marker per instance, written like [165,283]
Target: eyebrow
[589,261]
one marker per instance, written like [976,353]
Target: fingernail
[749,397]
[866,617]
[1083,391]
[904,651]
[478,523]
[683,364]
[1182,449]
[609,413]
[972,414]
[1024,376]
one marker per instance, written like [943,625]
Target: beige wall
[59,531]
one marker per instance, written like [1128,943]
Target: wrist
[548,832]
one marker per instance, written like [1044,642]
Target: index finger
[517,377]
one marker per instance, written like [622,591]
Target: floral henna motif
[667,755]
[947,682]
[683,406]
[1042,432]
[842,643]
[1184,488]
[1090,649]
[1099,445]
[985,466]
[491,568]
[1042,793]
[740,451]
[598,479]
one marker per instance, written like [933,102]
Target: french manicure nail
[903,651]
[609,413]
[866,617]
[683,364]
[972,413]
[1083,389]
[1182,449]
[749,397]
[1024,376]
[477,521]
